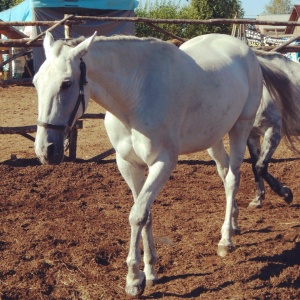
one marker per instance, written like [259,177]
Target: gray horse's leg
[253,144]
[271,141]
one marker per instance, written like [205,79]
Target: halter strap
[50,126]
[80,100]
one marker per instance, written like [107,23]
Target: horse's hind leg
[238,139]
[253,144]
[270,143]
[219,155]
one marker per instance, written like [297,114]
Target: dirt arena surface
[64,230]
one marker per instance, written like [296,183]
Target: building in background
[294,16]
[55,10]
[270,30]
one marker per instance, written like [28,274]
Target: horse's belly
[203,137]
[199,141]
[200,131]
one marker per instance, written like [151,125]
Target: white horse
[161,102]
[271,124]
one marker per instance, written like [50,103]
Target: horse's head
[61,100]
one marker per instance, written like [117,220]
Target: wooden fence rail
[81,19]
[26,130]
[70,20]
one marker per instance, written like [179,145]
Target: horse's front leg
[150,257]
[141,220]
[135,280]
[134,175]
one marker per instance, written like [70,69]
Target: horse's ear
[48,42]
[81,49]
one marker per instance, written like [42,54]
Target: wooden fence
[70,20]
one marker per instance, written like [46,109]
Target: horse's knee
[138,216]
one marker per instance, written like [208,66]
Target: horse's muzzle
[50,154]
[55,155]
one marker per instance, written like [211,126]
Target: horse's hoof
[136,291]
[255,204]
[151,282]
[288,195]
[224,250]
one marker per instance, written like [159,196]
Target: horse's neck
[118,72]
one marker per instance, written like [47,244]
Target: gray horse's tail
[283,93]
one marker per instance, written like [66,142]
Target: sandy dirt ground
[64,230]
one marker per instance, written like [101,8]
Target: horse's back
[290,67]
[213,50]
[229,84]
[229,60]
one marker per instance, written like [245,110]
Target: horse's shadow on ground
[27,162]
[275,265]
[21,162]
[31,162]
[276,160]
[192,294]
[246,160]
[196,292]
[267,229]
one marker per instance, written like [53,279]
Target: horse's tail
[283,92]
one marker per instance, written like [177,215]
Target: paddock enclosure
[64,230]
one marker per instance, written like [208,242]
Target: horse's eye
[66,84]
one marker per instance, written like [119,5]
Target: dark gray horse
[269,125]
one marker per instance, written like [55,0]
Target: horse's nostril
[50,151]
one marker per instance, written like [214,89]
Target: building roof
[293,17]
[278,18]
[281,17]
[93,4]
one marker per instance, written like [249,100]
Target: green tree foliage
[163,9]
[6,4]
[276,7]
[218,9]
[196,9]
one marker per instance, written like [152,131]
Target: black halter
[67,128]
